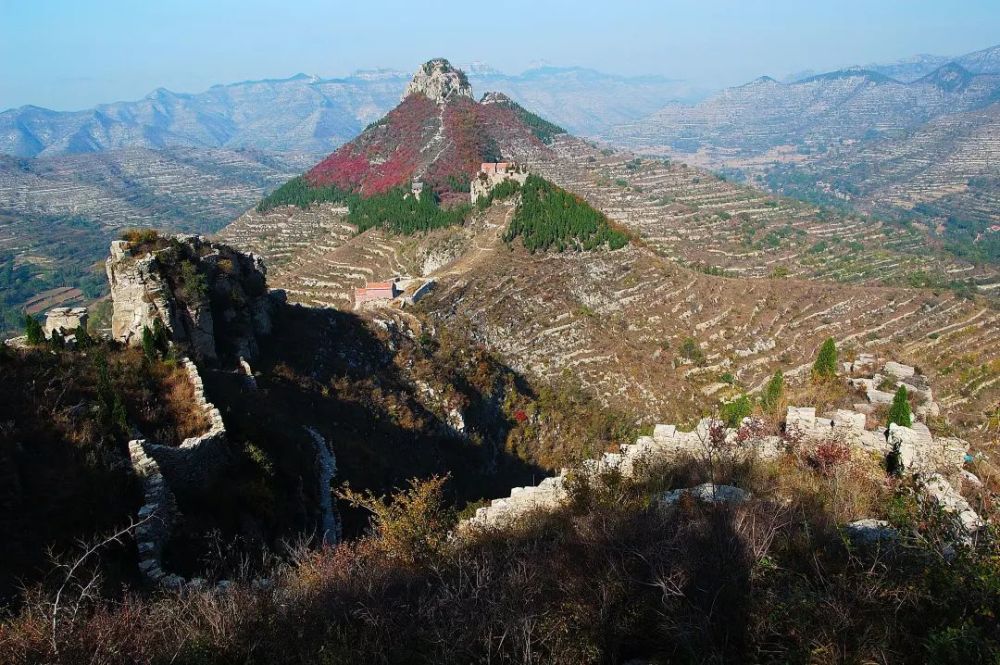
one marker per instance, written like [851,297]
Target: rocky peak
[496,98]
[950,77]
[209,297]
[439,81]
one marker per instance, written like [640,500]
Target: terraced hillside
[57,214]
[725,284]
[923,150]
[701,220]
[948,167]
[316,256]
[635,327]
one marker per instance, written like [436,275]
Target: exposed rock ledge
[207,296]
[439,81]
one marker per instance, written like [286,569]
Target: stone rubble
[705,493]
[941,493]
[326,469]
[920,452]
[156,515]
[65,320]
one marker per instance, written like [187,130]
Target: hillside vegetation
[550,217]
[613,576]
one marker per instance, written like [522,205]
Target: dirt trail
[488,240]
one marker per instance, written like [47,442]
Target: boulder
[879,397]
[870,531]
[664,432]
[800,418]
[938,490]
[706,493]
[898,370]
[849,420]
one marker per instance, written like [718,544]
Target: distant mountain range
[309,114]
[926,149]
[986,61]
[816,112]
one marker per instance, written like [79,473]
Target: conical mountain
[438,134]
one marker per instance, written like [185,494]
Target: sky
[73,54]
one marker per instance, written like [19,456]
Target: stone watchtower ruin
[64,320]
[492,174]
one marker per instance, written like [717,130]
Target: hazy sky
[71,54]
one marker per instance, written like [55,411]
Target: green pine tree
[825,366]
[899,412]
[33,329]
[83,338]
[160,337]
[773,391]
[149,343]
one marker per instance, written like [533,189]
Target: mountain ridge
[307,113]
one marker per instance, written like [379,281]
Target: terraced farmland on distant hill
[701,220]
[620,320]
[724,285]
[925,150]
[57,214]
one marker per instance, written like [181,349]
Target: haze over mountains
[925,148]
[309,114]
[913,139]
[823,109]
[917,66]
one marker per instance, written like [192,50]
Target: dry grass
[177,397]
[609,579]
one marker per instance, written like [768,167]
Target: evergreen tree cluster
[543,130]
[549,217]
[825,366]
[33,330]
[395,210]
[155,341]
[298,192]
[899,412]
[399,212]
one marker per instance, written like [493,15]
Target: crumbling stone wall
[930,459]
[156,516]
[487,179]
[65,320]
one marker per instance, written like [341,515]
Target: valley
[58,214]
[474,387]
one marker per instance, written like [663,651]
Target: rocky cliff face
[439,81]
[206,295]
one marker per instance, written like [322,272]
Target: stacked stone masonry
[155,518]
[931,460]
[160,468]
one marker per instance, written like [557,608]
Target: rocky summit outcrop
[207,296]
[437,80]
